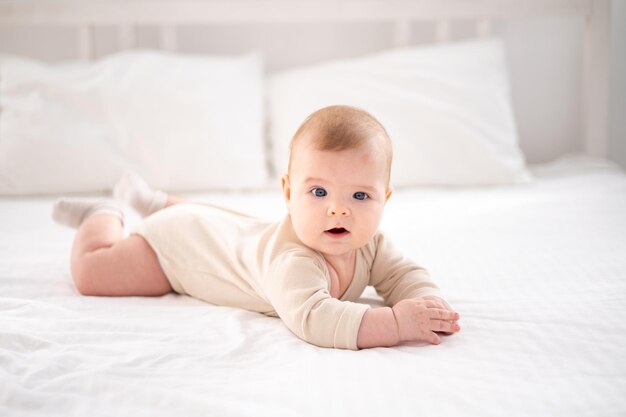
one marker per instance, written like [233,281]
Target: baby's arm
[297,287]
[418,310]
[412,320]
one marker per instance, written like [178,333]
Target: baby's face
[336,198]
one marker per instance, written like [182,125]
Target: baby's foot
[135,192]
[72,212]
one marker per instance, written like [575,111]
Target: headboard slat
[168,37]
[595,78]
[402,33]
[442,30]
[85,41]
[483,28]
[127,36]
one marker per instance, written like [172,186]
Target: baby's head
[341,128]
[337,182]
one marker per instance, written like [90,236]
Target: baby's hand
[444,304]
[419,318]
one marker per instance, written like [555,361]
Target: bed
[525,234]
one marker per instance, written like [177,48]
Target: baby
[308,269]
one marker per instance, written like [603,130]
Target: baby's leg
[104,263]
[134,191]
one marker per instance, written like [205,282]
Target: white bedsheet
[537,271]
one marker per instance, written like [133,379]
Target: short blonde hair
[339,128]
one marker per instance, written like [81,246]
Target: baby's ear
[286,188]
[389,192]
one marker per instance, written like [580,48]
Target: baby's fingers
[444,326]
[441,314]
[433,338]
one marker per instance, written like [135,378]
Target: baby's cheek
[305,231]
[364,235]
[372,221]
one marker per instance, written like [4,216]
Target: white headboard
[558,49]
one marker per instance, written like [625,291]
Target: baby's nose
[338,211]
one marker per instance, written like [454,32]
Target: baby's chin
[337,248]
[328,248]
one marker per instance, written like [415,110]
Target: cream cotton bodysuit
[231,259]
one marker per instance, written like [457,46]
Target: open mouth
[337,232]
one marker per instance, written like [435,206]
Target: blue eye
[360,195]
[319,192]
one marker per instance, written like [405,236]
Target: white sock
[135,192]
[72,212]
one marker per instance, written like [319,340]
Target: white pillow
[182,122]
[447,109]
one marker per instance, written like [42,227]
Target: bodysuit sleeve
[396,277]
[297,287]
